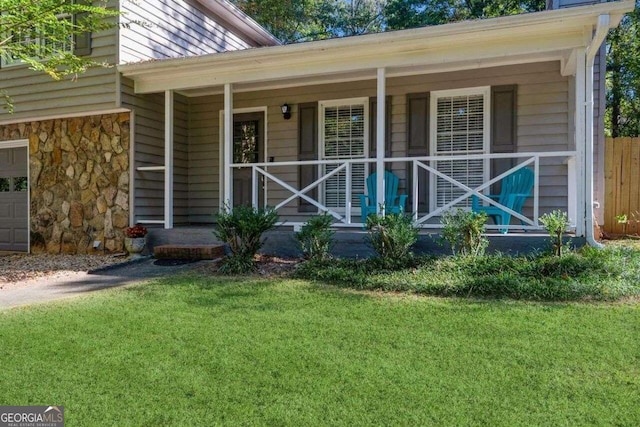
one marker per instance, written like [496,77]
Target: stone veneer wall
[79,181]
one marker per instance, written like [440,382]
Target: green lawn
[206,351]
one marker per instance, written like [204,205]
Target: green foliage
[401,14]
[556,224]
[241,228]
[237,264]
[27,24]
[315,237]
[463,231]
[303,20]
[622,117]
[608,274]
[392,237]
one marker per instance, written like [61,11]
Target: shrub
[315,237]
[241,228]
[463,230]
[556,223]
[392,237]
[588,274]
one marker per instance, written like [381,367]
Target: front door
[248,140]
[14,193]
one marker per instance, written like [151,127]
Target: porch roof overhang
[534,37]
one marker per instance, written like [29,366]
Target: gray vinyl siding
[148,111]
[172,29]
[180,161]
[204,158]
[36,94]
[148,140]
[543,125]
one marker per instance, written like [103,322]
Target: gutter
[602,28]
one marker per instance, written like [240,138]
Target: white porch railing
[345,214]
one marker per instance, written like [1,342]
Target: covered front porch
[451,111]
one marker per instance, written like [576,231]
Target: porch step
[188,251]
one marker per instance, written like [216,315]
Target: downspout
[602,28]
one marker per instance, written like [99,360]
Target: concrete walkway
[47,289]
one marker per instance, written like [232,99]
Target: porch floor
[348,243]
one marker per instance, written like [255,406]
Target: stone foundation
[79,181]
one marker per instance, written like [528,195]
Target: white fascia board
[361,75]
[430,45]
[327,63]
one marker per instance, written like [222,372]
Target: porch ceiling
[535,37]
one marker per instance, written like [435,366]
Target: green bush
[588,274]
[237,264]
[464,230]
[315,237]
[241,228]
[392,237]
[556,224]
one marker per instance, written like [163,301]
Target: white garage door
[14,204]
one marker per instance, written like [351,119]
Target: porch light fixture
[286,111]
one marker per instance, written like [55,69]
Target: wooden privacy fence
[622,184]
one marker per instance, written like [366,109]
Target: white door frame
[262,109]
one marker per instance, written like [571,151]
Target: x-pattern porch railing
[426,163]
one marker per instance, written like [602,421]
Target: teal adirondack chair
[516,188]
[394,204]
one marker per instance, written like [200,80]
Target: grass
[218,351]
[588,274]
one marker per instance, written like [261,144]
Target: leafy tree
[342,18]
[622,117]
[39,33]
[303,20]
[289,20]
[401,14]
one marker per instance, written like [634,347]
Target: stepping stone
[188,251]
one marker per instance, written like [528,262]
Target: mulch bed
[267,266]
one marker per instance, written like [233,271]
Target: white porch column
[580,141]
[168,159]
[227,197]
[380,140]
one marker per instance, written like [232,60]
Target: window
[459,126]
[20,183]
[344,135]
[4,185]
[42,44]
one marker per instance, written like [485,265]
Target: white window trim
[40,40]
[433,124]
[335,103]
